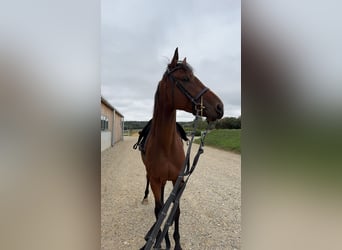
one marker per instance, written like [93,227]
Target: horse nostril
[219,109]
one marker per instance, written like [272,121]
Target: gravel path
[210,206]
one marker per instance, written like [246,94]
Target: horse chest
[166,165]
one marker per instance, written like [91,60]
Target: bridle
[197,105]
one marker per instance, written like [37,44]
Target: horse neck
[163,125]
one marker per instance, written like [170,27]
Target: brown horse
[164,155]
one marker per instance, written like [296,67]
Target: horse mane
[179,64]
[186,66]
[156,100]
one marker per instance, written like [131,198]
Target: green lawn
[226,139]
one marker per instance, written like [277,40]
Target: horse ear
[184,61]
[174,59]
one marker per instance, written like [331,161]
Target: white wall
[106,137]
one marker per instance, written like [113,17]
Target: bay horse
[179,89]
[141,145]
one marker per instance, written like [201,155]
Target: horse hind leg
[145,199]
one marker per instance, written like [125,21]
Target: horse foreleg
[157,210]
[176,235]
[167,239]
[158,192]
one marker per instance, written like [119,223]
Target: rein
[177,191]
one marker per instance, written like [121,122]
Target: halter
[197,106]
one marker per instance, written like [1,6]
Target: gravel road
[210,206]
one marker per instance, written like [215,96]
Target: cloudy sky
[139,39]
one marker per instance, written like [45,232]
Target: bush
[229,123]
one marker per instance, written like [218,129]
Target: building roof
[105,102]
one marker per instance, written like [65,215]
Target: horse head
[187,92]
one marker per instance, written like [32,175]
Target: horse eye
[186,79]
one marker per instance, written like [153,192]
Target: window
[104,123]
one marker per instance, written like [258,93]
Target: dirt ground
[210,206]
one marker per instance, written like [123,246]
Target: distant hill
[224,123]
[135,124]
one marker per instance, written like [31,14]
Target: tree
[229,123]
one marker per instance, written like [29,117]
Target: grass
[226,139]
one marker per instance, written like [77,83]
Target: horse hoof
[144,201]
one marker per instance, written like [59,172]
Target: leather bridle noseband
[197,105]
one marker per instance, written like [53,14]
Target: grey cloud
[138,38]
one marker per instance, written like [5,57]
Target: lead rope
[177,191]
[202,107]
